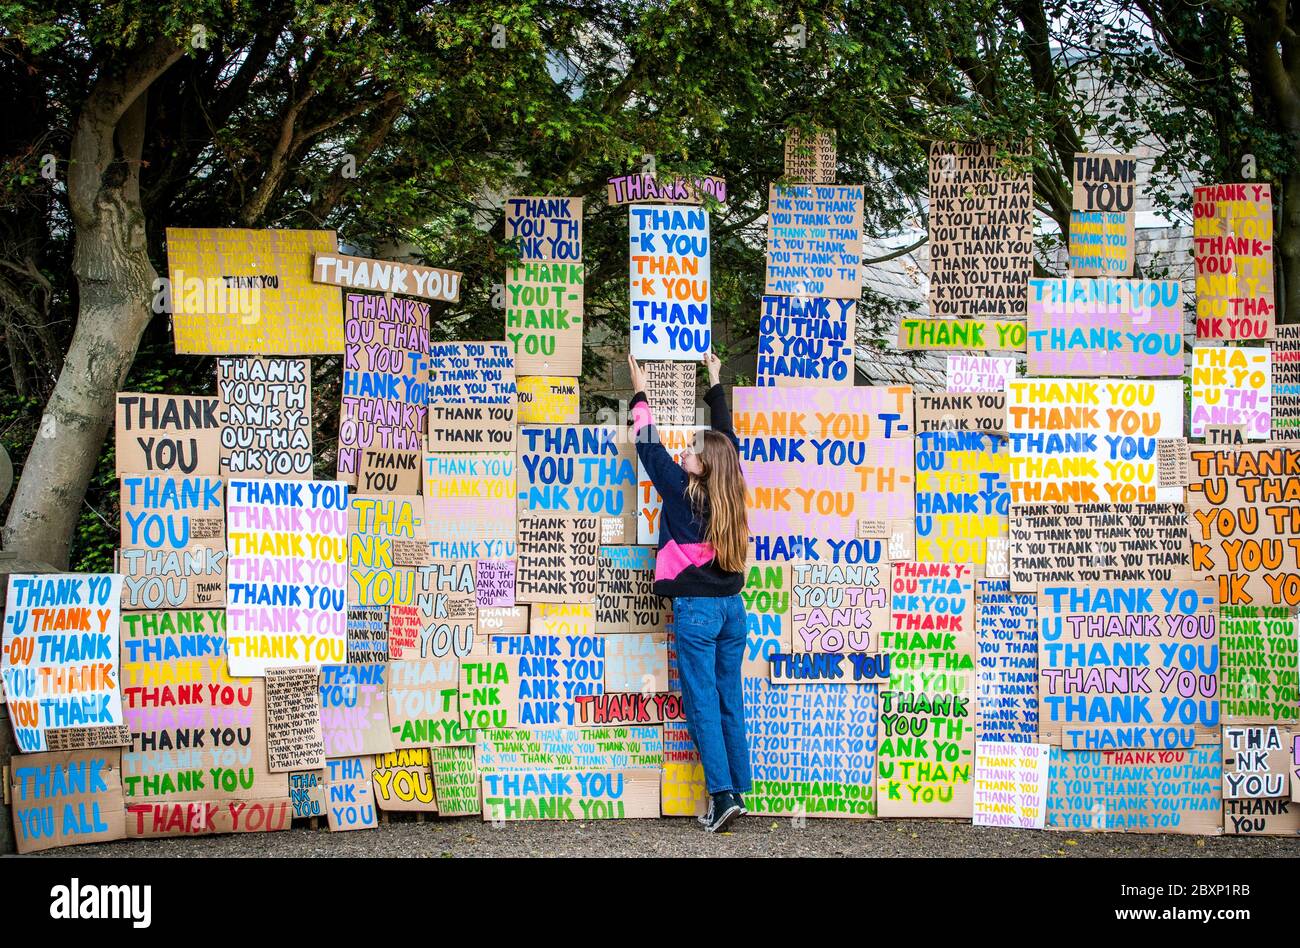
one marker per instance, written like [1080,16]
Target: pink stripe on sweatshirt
[674,557]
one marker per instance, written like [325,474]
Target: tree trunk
[115,282]
[1287,246]
[115,278]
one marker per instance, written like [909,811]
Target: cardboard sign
[806,340]
[264,406]
[167,434]
[350,800]
[814,240]
[307,791]
[1136,791]
[1258,665]
[386,276]
[472,397]
[197,735]
[1104,182]
[510,620]
[456,781]
[447,604]
[149,820]
[817,461]
[1102,243]
[547,228]
[173,542]
[670,284]
[386,471]
[548,400]
[367,634]
[1225,434]
[1006,651]
[470,504]
[1171,461]
[927,714]
[489,693]
[570,748]
[60,654]
[1256,762]
[844,668]
[87,738]
[544,312]
[1010,784]
[1285,400]
[1262,817]
[809,159]
[978,335]
[926,597]
[628,707]
[376,526]
[1242,503]
[1098,543]
[66,799]
[1295,768]
[1103,215]
[981,232]
[682,790]
[1256,775]
[494,583]
[287,591]
[979,373]
[1091,440]
[571,795]
[1232,386]
[578,471]
[961,495]
[838,609]
[670,389]
[383,406]
[558,559]
[649,507]
[295,740]
[636,661]
[249,292]
[354,709]
[1132,667]
[562,618]
[665,189]
[625,598]
[1232,237]
[423,703]
[961,411]
[766,596]
[403,781]
[830,771]
[1105,327]
[571,665]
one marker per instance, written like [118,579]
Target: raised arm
[665,473]
[716,399]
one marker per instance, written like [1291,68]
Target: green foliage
[444,108]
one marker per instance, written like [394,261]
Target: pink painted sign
[818,462]
[1105,327]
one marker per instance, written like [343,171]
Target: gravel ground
[753,836]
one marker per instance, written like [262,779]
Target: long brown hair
[721,489]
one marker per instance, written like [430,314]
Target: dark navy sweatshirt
[685,564]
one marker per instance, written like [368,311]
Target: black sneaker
[722,815]
[705,818]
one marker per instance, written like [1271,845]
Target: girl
[703,544]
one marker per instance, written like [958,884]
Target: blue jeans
[710,635]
